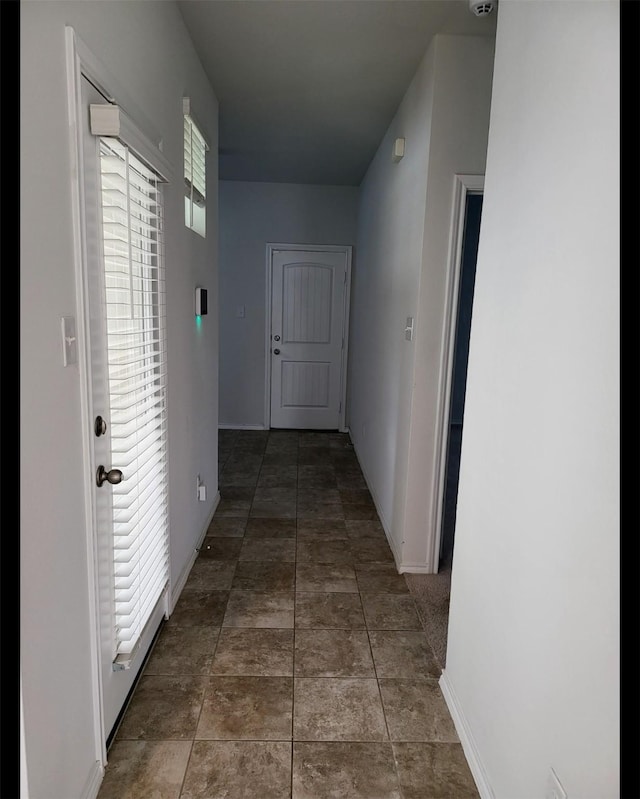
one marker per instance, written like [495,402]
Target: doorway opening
[431,592]
[470,237]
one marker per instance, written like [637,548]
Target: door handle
[113,476]
[276,338]
[276,352]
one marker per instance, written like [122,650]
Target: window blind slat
[136,363]
[128,638]
[139,457]
[125,568]
[195,150]
[129,576]
[126,530]
[124,361]
[127,504]
[131,387]
[146,577]
[124,416]
[123,397]
[141,460]
[128,600]
[148,418]
[128,372]
[128,513]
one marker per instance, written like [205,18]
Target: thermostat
[201,302]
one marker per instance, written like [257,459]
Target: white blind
[134,284]
[194,162]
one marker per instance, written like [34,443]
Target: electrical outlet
[554,787]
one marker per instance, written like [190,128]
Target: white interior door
[123,299]
[309,309]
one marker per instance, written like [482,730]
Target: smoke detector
[481,8]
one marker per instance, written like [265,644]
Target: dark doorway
[471,234]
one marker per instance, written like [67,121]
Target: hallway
[295,663]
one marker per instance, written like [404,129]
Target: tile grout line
[208,676]
[186,769]
[293,653]
[384,714]
[236,561]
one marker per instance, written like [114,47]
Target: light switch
[398,150]
[69,342]
[240,311]
[408,331]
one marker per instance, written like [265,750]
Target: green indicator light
[198,320]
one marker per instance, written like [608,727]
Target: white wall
[533,645]
[459,134]
[145,47]
[251,215]
[403,237]
[24,777]
[384,292]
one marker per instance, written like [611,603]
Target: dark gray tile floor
[294,665]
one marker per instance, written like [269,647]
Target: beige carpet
[431,595]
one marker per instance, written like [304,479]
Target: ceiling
[307,88]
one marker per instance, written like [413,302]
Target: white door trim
[462,185]
[81,61]
[24,787]
[271,248]
[77,58]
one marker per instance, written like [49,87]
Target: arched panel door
[308,317]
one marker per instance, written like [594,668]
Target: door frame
[80,62]
[462,186]
[272,248]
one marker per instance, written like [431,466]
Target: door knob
[276,352]
[276,338]
[113,476]
[100,426]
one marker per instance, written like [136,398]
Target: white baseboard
[466,738]
[403,567]
[385,524]
[176,589]
[93,782]
[241,427]
[392,544]
[415,568]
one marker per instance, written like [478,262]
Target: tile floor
[295,664]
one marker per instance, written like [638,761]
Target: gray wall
[533,645]
[403,239]
[146,49]
[251,215]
